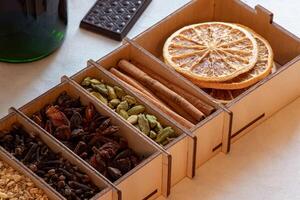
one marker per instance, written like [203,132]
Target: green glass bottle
[31,29]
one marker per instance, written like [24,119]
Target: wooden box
[182,163]
[14,117]
[211,132]
[266,97]
[147,177]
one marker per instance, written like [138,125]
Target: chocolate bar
[114,18]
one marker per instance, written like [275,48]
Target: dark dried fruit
[57,117]
[63,132]
[76,120]
[89,112]
[114,173]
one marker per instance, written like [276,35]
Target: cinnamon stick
[202,106]
[132,82]
[185,123]
[156,86]
[180,111]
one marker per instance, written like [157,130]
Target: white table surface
[263,165]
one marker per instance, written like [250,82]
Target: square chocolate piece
[114,18]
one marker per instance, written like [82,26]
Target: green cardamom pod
[143,124]
[152,120]
[90,90]
[130,99]
[162,136]
[123,114]
[99,97]
[136,110]
[110,105]
[111,92]
[115,102]
[133,119]
[158,128]
[101,88]
[95,81]
[153,135]
[86,82]
[119,92]
[137,126]
[122,106]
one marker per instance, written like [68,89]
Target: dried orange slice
[226,96]
[261,69]
[213,51]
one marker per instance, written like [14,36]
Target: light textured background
[263,165]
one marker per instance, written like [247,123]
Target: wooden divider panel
[178,147]
[135,53]
[175,147]
[257,103]
[5,124]
[265,99]
[134,139]
[52,143]
[261,21]
[154,38]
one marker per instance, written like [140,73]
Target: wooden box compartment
[266,97]
[106,192]
[212,132]
[148,171]
[182,163]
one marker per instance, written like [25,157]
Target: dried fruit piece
[57,117]
[212,51]
[114,173]
[262,68]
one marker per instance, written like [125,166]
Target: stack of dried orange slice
[226,58]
